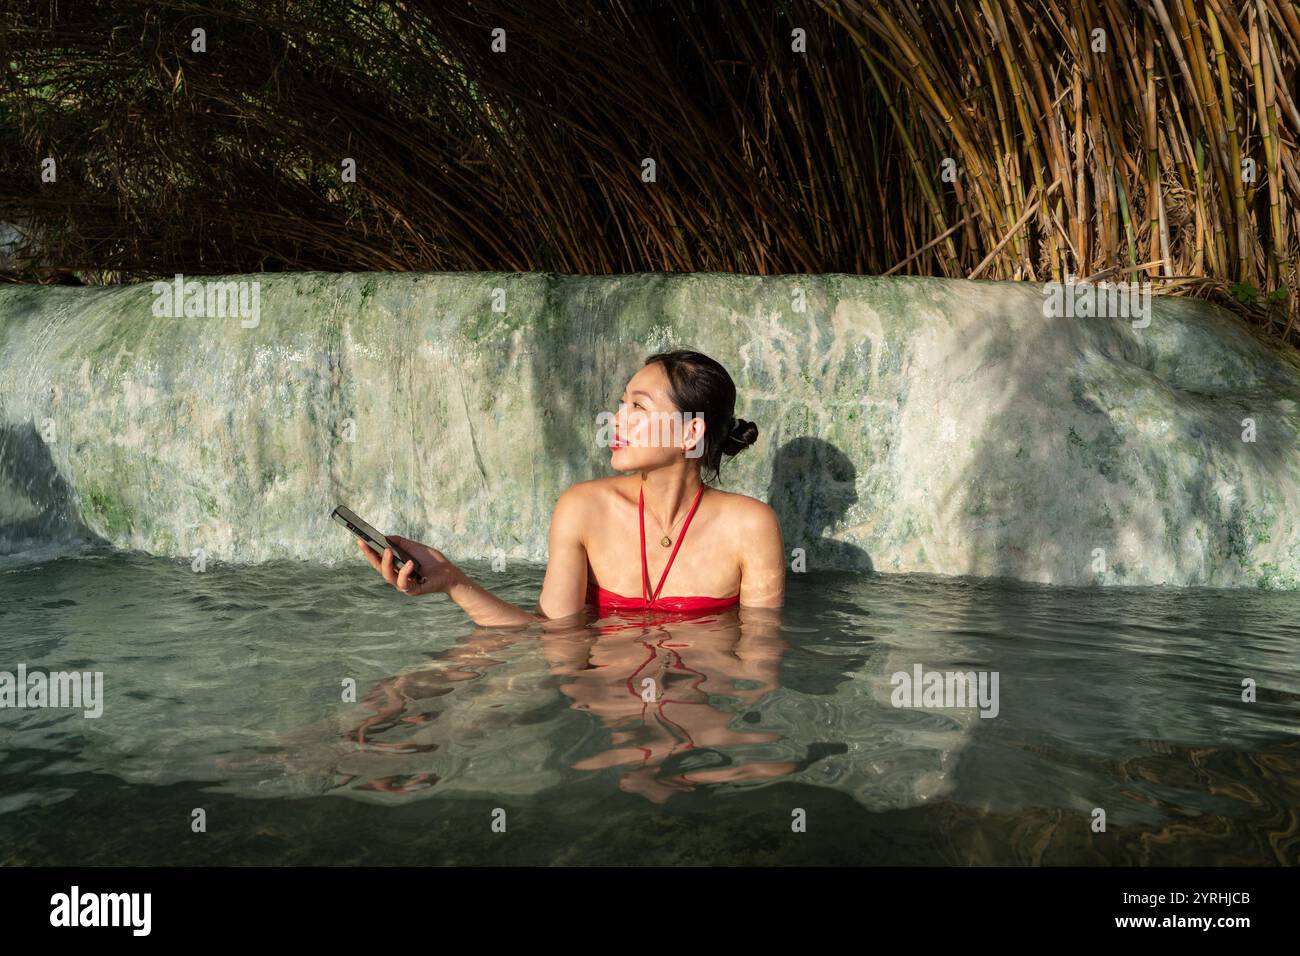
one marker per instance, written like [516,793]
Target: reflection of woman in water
[665,690]
[671,692]
[619,544]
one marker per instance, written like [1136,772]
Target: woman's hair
[698,385]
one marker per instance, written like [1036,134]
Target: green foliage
[1245,293]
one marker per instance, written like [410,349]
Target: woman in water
[619,544]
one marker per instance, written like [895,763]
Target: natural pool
[223,692]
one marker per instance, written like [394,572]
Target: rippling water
[619,742]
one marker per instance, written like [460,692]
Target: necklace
[667,541]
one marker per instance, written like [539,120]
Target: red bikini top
[608,600]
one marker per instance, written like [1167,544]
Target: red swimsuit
[609,601]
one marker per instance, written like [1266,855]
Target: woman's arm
[563,592]
[762,558]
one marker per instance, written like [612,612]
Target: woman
[620,544]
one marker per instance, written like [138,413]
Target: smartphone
[348,518]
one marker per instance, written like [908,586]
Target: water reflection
[669,688]
[670,691]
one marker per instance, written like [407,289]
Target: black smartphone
[348,518]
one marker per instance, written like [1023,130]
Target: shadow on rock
[813,486]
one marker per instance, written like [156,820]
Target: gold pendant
[666,541]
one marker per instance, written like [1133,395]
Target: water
[223,693]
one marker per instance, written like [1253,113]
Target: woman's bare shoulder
[595,491]
[744,510]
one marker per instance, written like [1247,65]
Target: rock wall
[906,424]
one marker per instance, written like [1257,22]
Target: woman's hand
[438,573]
[441,576]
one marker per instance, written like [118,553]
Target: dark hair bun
[743,434]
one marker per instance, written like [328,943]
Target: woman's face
[649,430]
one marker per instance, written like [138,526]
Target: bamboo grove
[1152,140]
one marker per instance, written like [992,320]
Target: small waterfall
[905,424]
